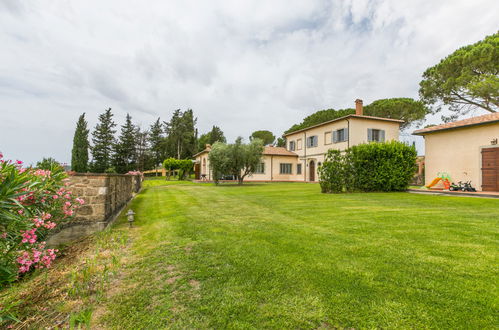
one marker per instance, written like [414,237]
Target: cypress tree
[143,153]
[79,153]
[103,140]
[157,142]
[125,156]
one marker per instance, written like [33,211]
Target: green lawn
[287,256]
[284,255]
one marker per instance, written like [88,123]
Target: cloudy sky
[242,65]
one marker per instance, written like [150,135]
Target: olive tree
[237,159]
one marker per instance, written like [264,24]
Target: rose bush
[32,203]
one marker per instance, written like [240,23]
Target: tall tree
[266,136]
[157,142]
[50,164]
[79,153]
[281,142]
[181,134]
[411,111]
[237,159]
[103,142]
[215,135]
[320,117]
[466,79]
[407,109]
[125,155]
[142,150]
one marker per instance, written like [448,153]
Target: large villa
[306,148]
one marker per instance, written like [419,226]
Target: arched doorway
[311,166]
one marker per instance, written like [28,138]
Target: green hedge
[385,166]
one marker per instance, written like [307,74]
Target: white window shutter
[369,134]
[346,134]
[381,136]
[335,136]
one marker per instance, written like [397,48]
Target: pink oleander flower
[18,162]
[29,236]
[40,172]
[49,225]
[4,235]
[55,197]
[38,222]
[80,201]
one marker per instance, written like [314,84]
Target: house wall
[357,134]
[458,152]
[204,162]
[359,127]
[272,169]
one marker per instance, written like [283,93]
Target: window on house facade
[327,138]
[260,168]
[298,144]
[377,135]
[285,168]
[298,169]
[312,141]
[292,145]
[340,135]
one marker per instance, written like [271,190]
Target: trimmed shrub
[332,172]
[184,166]
[375,166]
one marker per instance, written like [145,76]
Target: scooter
[466,186]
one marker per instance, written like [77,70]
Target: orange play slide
[434,182]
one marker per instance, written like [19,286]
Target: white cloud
[242,65]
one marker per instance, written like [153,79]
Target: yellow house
[306,148]
[467,150]
[278,164]
[312,143]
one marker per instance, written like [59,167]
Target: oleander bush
[387,166]
[32,203]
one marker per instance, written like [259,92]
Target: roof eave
[421,132]
[345,117]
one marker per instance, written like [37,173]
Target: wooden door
[490,169]
[312,171]
[197,171]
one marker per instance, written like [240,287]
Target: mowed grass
[287,256]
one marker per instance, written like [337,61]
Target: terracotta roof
[201,152]
[278,151]
[480,120]
[268,150]
[345,117]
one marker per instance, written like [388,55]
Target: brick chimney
[358,107]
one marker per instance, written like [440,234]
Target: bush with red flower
[32,203]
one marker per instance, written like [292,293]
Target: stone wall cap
[100,174]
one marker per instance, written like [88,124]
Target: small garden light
[130,215]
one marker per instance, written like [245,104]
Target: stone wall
[105,196]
